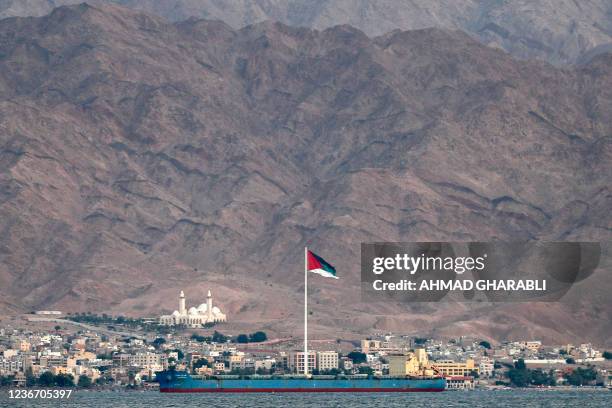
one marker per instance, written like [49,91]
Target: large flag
[319,266]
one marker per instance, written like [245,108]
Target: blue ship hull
[182,382]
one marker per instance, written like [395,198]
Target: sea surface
[449,399]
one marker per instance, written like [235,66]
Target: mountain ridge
[561,32]
[141,157]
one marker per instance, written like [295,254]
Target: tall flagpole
[306,311]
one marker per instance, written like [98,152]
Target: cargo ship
[183,382]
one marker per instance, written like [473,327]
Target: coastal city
[92,351]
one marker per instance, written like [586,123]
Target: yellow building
[533,345]
[24,345]
[421,355]
[81,355]
[204,370]
[370,345]
[85,355]
[60,370]
[405,364]
[452,368]
[378,346]
[235,361]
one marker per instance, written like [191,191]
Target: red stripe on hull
[242,390]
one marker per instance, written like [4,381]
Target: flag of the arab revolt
[318,265]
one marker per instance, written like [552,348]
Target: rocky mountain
[139,157]
[559,31]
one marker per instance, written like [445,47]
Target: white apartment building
[486,367]
[147,360]
[10,366]
[266,364]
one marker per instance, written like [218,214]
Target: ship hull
[275,390]
[182,382]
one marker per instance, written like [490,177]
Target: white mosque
[194,317]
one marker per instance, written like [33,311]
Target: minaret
[209,306]
[182,309]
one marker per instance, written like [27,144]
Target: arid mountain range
[559,31]
[139,157]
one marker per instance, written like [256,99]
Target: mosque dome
[194,316]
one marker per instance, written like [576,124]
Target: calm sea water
[451,399]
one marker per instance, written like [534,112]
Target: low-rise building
[265,364]
[486,367]
[459,382]
[346,363]
[450,368]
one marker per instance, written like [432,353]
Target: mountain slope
[139,157]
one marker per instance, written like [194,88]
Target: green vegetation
[256,337]
[242,371]
[110,321]
[84,381]
[366,370]
[198,338]
[215,338]
[539,377]
[6,380]
[420,341]
[47,379]
[158,342]
[30,379]
[202,362]
[485,344]
[219,338]
[521,376]
[607,355]
[357,357]
[333,371]
[64,380]
[581,376]
[570,360]
[103,319]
